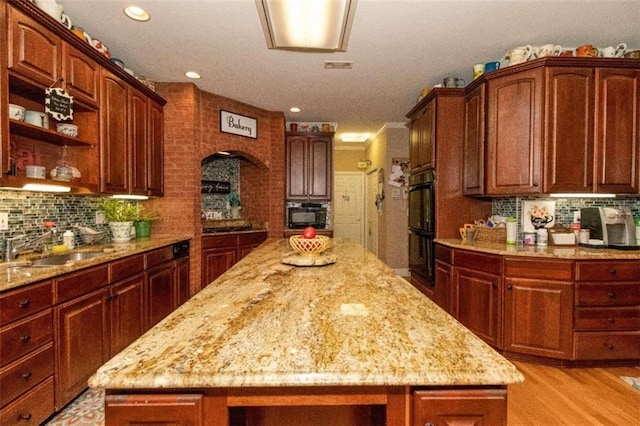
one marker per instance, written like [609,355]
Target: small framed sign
[58,104]
[238,124]
[215,187]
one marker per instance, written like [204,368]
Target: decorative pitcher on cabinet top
[54,10]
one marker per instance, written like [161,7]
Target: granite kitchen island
[271,343]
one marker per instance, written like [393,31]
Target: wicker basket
[309,246]
[491,235]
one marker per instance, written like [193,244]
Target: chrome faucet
[13,250]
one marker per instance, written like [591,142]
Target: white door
[348,205]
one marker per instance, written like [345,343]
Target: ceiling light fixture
[192,74]
[130,197]
[294,109]
[355,137]
[136,13]
[579,195]
[320,25]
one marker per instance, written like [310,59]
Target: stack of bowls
[16,112]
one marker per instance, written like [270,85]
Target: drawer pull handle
[612,320]
[610,346]
[25,304]
[26,375]
[25,416]
[612,295]
[25,339]
[613,271]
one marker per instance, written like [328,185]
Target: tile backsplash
[28,210]
[223,170]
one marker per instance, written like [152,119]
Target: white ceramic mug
[548,50]
[519,54]
[621,49]
[607,52]
[53,9]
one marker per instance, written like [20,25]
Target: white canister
[68,239]
[543,237]
[512,232]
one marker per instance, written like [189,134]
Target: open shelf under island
[268,342]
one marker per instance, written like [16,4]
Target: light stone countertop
[17,273]
[557,252]
[265,324]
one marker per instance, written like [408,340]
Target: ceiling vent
[338,65]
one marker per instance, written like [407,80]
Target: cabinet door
[569,129]
[514,134]
[460,407]
[320,170]
[473,156]
[444,286]
[617,130]
[538,317]
[82,343]
[114,159]
[161,293]
[155,151]
[35,52]
[169,409]
[138,138]
[126,306]
[427,136]
[216,262]
[414,143]
[182,277]
[479,304]
[296,158]
[81,75]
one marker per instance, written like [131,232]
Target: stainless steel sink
[61,259]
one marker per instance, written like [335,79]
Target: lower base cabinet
[460,407]
[221,252]
[178,409]
[32,409]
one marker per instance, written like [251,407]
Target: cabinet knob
[25,339]
[612,295]
[509,287]
[610,346]
[535,184]
[25,416]
[428,424]
[26,375]
[613,271]
[495,285]
[612,320]
[24,304]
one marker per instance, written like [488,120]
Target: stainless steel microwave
[307,215]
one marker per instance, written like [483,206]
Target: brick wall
[192,133]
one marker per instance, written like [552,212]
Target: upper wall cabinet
[554,125]
[119,145]
[309,166]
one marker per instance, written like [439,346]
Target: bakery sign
[238,124]
[58,104]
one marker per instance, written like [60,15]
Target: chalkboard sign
[58,104]
[215,187]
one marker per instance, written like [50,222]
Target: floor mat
[633,381]
[85,410]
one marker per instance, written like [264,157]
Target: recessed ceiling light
[137,13]
[192,74]
[294,109]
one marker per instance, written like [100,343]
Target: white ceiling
[397,46]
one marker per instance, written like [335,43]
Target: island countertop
[268,324]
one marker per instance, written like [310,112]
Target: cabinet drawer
[79,283]
[607,345]
[478,261]
[219,241]
[25,336]
[22,375]
[559,270]
[444,254]
[158,256]
[595,294]
[608,271]
[594,319]
[32,409]
[252,238]
[125,268]
[25,301]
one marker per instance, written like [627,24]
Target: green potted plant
[142,223]
[120,214]
[234,205]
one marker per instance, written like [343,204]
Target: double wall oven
[422,225]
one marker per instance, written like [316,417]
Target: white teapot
[54,10]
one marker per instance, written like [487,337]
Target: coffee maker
[612,225]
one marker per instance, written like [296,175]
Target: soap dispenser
[68,239]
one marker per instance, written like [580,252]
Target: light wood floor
[573,396]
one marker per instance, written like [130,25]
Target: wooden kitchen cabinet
[126,312]
[114,146]
[459,407]
[474,149]
[167,283]
[514,133]
[478,284]
[309,166]
[138,137]
[178,409]
[81,75]
[221,252]
[444,290]
[155,150]
[422,138]
[538,307]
